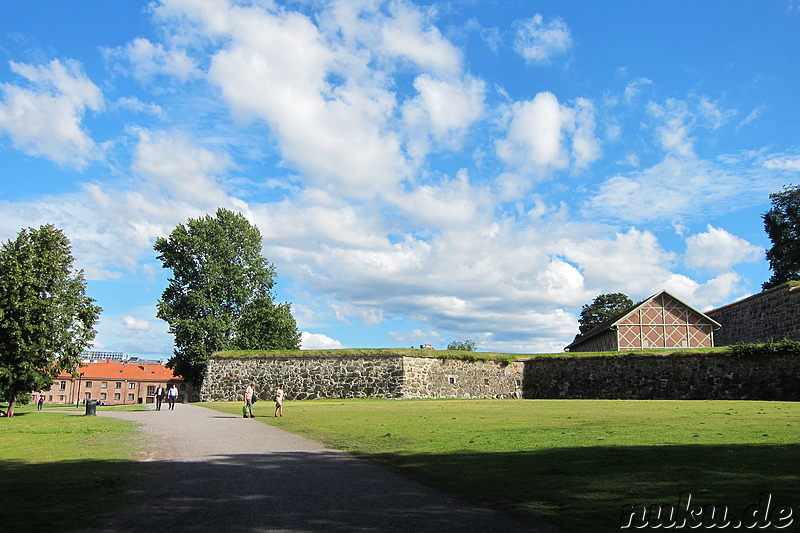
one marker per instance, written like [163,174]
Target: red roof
[112,371]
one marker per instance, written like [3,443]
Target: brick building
[661,321]
[116,383]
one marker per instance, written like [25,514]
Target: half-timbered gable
[659,322]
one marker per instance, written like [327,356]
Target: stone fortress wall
[624,376]
[360,376]
[770,315]
[690,376]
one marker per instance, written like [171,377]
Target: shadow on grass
[578,489]
[309,492]
[60,496]
[584,489]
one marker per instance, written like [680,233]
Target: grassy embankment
[454,354]
[58,468]
[573,463]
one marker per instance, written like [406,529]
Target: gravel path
[215,472]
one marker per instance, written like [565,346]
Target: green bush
[771,347]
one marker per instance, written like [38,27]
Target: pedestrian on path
[172,395]
[39,405]
[159,397]
[279,400]
[249,393]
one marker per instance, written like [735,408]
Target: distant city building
[91,355]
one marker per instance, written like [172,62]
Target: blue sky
[420,172]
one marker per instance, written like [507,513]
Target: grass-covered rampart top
[772,347]
[376,352]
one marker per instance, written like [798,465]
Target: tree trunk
[11,405]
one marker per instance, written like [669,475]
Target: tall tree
[602,308]
[220,294]
[782,224]
[46,319]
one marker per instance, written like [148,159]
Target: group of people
[250,397]
[171,394]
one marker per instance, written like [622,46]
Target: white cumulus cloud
[540,130]
[131,322]
[45,117]
[718,251]
[318,341]
[538,41]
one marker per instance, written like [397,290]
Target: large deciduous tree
[46,319]
[782,224]
[220,294]
[602,308]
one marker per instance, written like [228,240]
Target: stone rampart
[672,377]
[305,378]
[450,378]
[626,376]
[360,376]
[770,315]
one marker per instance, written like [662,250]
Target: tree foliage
[220,294]
[46,319]
[463,346]
[782,224]
[602,308]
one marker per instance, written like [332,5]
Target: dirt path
[214,472]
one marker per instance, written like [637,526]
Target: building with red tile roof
[116,383]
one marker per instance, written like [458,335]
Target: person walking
[172,395]
[279,401]
[159,397]
[249,393]
[40,403]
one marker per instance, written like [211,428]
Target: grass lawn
[573,463]
[58,468]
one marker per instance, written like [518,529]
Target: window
[87,395]
[88,384]
[183,386]
[130,397]
[102,395]
[452,380]
[131,385]
[116,396]
[151,390]
[104,384]
[63,385]
[118,385]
